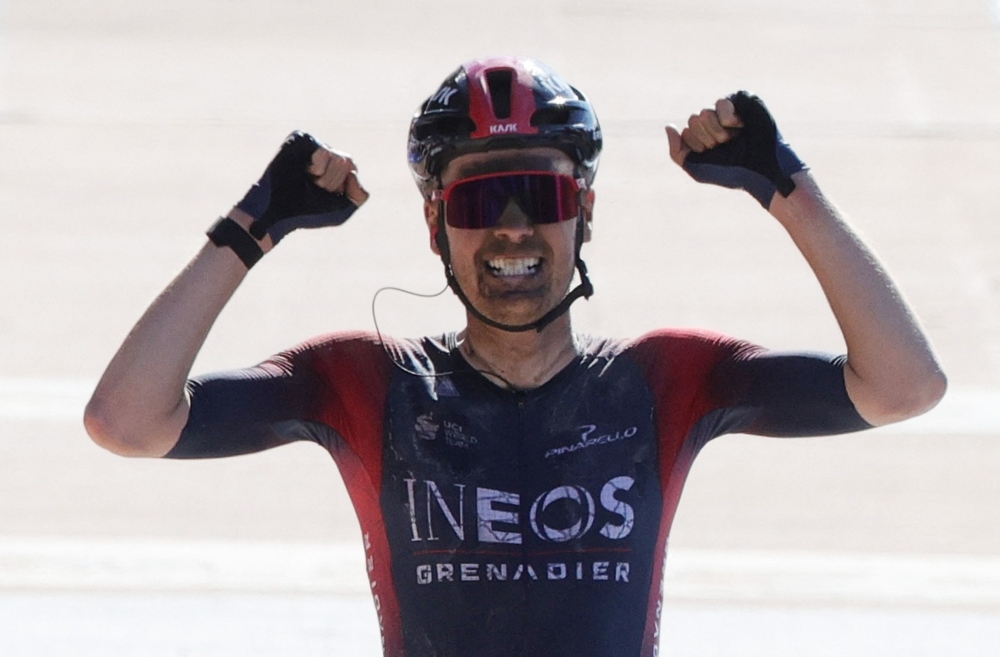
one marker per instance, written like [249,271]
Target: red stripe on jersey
[355,373]
[677,364]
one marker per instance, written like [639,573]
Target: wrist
[804,201]
[231,233]
[244,220]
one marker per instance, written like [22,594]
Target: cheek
[463,244]
[561,238]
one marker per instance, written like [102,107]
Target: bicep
[789,394]
[245,411]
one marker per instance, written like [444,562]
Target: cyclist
[515,482]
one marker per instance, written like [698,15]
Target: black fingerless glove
[286,198]
[757,159]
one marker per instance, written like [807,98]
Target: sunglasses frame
[443,195]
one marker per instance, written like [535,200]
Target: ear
[431,213]
[588,215]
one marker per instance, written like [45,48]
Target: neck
[519,360]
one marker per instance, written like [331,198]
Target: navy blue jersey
[500,522]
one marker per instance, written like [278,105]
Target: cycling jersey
[501,522]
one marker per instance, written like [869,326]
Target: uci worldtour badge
[452,433]
[425,427]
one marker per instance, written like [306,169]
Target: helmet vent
[446,127]
[551,116]
[499,82]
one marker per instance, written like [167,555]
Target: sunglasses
[480,201]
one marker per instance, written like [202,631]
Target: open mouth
[513,266]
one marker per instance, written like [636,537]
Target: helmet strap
[584,289]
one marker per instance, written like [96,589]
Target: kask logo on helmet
[503,128]
[533,94]
[443,95]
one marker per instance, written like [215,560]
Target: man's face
[516,271]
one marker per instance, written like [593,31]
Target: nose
[514,224]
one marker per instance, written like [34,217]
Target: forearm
[891,371]
[139,406]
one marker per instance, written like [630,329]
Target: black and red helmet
[497,103]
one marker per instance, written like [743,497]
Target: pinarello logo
[590,437]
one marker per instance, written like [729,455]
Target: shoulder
[669,358]
[361,344]
[339,341]
[340,351]
[670,343]
[364,352]
[674,355]
[680,345]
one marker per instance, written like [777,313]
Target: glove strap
[226,232]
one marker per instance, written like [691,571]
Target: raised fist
[737,145]
[306,185]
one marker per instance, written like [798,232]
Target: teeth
[513,266]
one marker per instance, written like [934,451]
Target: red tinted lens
[546,198]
